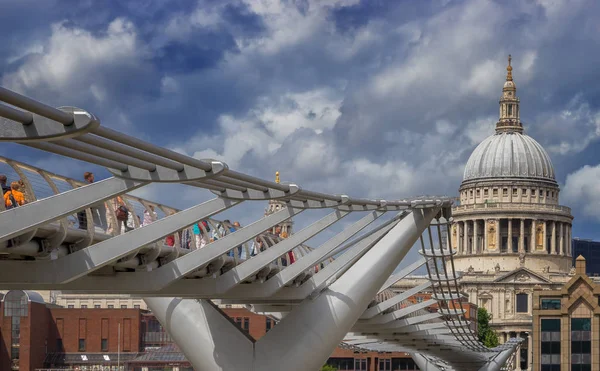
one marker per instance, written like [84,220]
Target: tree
[486,335]
[328,368]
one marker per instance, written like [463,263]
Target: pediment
[522,275]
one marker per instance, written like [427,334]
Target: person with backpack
[201,230]
[14,197]
[3,180]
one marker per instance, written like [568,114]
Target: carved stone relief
[539,236]
[491,235]
[522,259]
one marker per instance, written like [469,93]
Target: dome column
[561,238]
[569,252]
[466,237]
[533,236]
[498,242]
[509,246]
[545,234]
[522,237]
[475,237]
[553,246]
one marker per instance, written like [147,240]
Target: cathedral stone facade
[510,232]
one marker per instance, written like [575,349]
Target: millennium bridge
[334,293]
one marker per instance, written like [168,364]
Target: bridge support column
[497,363]
[306,337]
[204,334]
[423,363]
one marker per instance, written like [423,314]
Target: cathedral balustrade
[510,206]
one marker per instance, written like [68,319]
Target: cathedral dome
[509,154]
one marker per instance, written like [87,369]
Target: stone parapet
[509,206]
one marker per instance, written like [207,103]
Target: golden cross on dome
[277,177]
[509,69]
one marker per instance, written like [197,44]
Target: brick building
[35,335]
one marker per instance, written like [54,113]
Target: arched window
[15,304]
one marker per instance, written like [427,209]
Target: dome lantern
[509,105]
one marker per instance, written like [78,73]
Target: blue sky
[370,98]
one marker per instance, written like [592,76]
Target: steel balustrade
[67,237]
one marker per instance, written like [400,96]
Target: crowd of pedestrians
[122,220]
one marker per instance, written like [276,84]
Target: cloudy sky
[371,98]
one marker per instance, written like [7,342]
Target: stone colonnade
[512,235]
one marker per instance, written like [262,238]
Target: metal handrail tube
[105,153]
[34,106]
[320,196]
[148,147]
[51,147]
[205,186]
[242,183]
[251,179]
[15,114]
[218,183]
[129,151]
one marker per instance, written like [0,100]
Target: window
[385,365]
[550,344]
[96,306]
[123,306]
[471,194]
[419,299]
[137,306]
[270,324]
[110,306]
[510,109]
[70,306]
[515,191]
[243,322]
[581,344]
[360,365]
[524,191]
[495,192]
[16,304]
[82,345]
[505,192]
[485,192]
[59,345]
[246,323]
[83,306]
[533,193]
[550,304]
[104,345]
[478,193]
[522,306]
[547,193]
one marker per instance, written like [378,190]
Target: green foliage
[328,368]
[485,334]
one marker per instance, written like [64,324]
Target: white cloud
[73,55]
[572,129]
[582,191]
